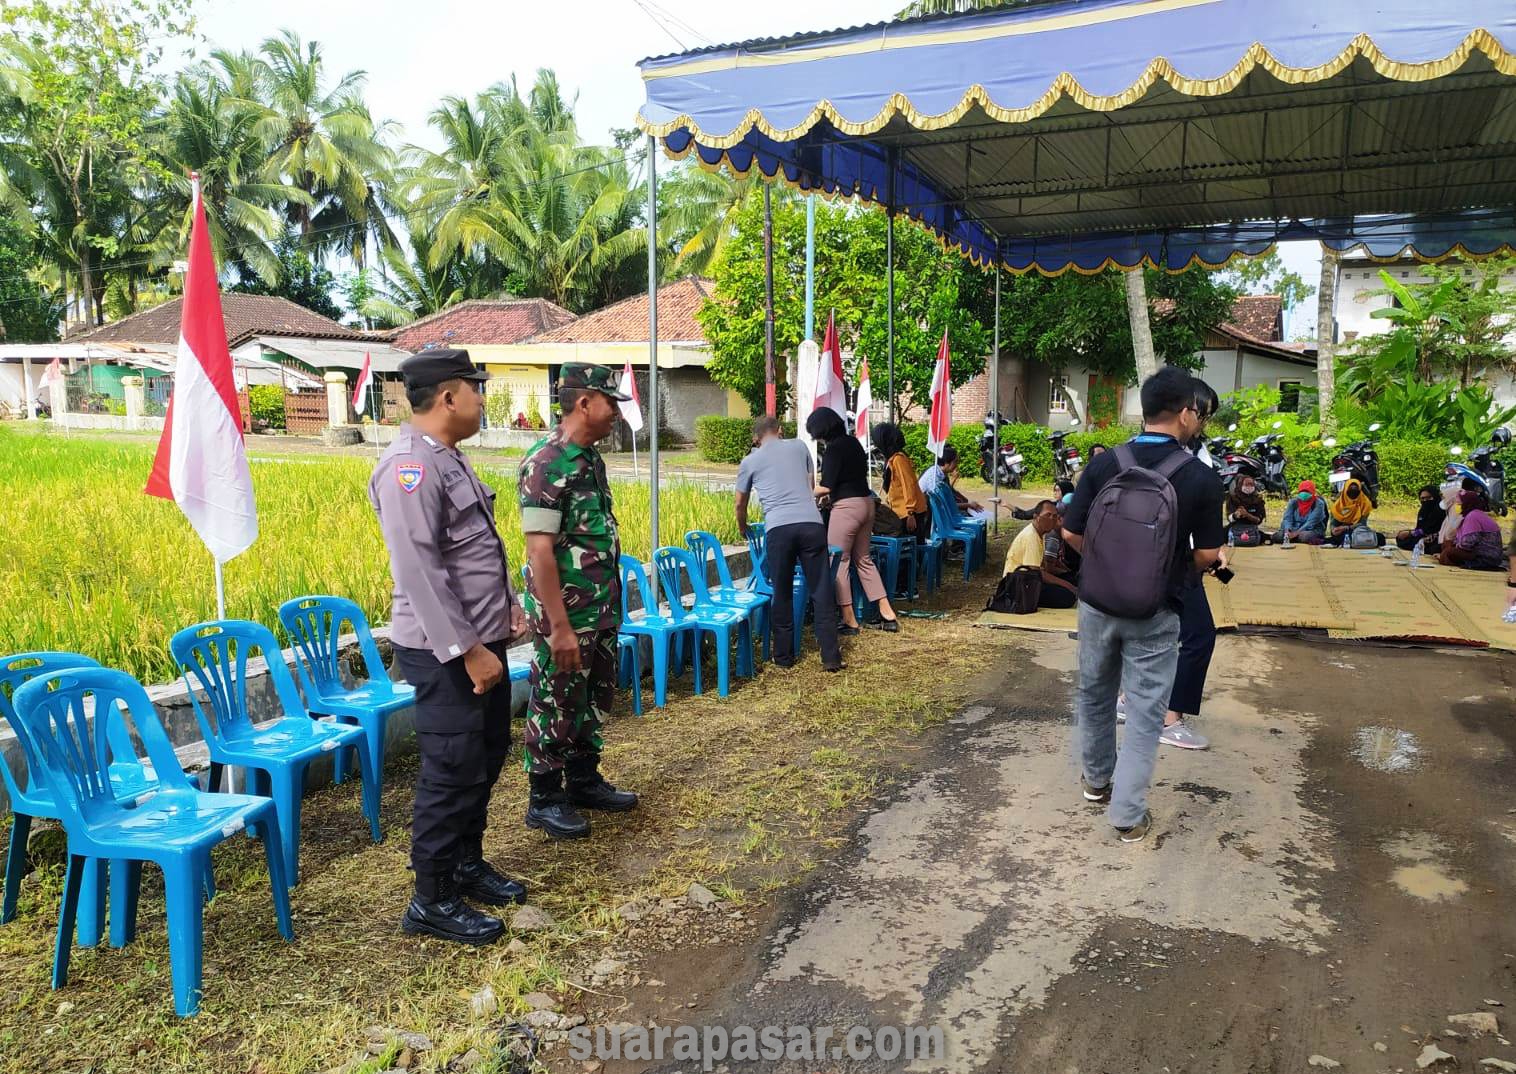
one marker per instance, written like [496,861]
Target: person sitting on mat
[1429,519]
[1305,518]
[1477,546]
[1245,509]
[1029,550]
[1349,511]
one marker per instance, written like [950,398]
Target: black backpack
[1017,593]
[1130,535]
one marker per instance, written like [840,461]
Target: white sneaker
[1121,708]
[1179,734]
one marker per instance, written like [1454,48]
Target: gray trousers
[1138,656]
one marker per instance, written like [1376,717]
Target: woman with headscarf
[1349,511]
[1245,510]
[1305,518]
[1429,519]
[902,492]
[845,482]
[1477,546]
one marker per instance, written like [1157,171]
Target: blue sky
[417,53]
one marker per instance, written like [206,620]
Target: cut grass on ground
[743,794]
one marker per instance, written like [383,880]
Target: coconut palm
[697,208]
[208,129]
[321,140]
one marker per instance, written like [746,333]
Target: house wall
[686,394]
[13,386]
[1221,371]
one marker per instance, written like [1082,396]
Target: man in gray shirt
[780,471]
[454,616]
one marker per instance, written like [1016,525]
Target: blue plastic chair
[725,625]
[174,826]
[31,797]
[896,559]
[929,555]
[315,624]
[629,668]
[213,658]
[945,528]
[665,632]
[706,546]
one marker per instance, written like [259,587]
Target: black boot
[477,879]
[550,810]
[437,909]
[588,789]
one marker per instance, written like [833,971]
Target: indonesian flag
[631,410]
[52,375]
[865,401]
[202,462]
[830,390]
[360,390]
[941,423]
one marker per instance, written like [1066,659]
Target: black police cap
[436,366]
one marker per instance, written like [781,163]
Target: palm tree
[210,130]
[322,141]
[698,208]
[514,187]
[414,287]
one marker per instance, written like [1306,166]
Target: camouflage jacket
[564,492]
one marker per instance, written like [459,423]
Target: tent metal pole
[810,266]
[770,400]
[995,402]
[889,277]
[652,338]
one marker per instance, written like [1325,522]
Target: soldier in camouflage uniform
[573,604]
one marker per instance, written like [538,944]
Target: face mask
[1352,494]
[1303,497]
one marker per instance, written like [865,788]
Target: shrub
[721,439]
[1030,440]
[500,406]
[266,405]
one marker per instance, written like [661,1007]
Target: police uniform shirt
[452,583]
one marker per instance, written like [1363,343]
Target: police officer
[573,603]
[454,616]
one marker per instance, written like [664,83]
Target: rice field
[90,564]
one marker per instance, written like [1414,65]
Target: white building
[1357,280]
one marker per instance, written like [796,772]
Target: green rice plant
[90,564]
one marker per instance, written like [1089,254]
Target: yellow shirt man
[1025,551]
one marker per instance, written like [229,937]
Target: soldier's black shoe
[450,918]
[480,881]
[588,789]
[549,809]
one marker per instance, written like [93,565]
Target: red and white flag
[631,410]
[202,462]
[360,390]
[865,401]
[830,390]
[941,423]
[52,375]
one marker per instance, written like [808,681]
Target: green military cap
[598,378]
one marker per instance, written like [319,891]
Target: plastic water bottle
[1416,555]
[1510,614]
[1286,542]
[1231,537]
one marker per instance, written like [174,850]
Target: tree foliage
[935,291]
[1267,275]
[1082,320]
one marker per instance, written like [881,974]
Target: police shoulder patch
[409,474]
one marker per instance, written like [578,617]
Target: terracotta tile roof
[482,321]
[626,321]
[246,316]
[1258,317]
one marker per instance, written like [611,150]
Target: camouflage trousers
[564,708]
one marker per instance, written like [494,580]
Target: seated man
[946,471]
[1029,550]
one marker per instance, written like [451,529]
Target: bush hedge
[721,439]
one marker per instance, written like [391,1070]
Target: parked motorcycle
[1484,468]
[1357,460]
[1264,461]
[1066,460]
[1004,457]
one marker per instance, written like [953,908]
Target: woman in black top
[1429,519]
[845,482]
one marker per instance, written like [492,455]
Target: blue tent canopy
[1080,134]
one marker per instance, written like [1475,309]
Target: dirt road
[1334,879]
